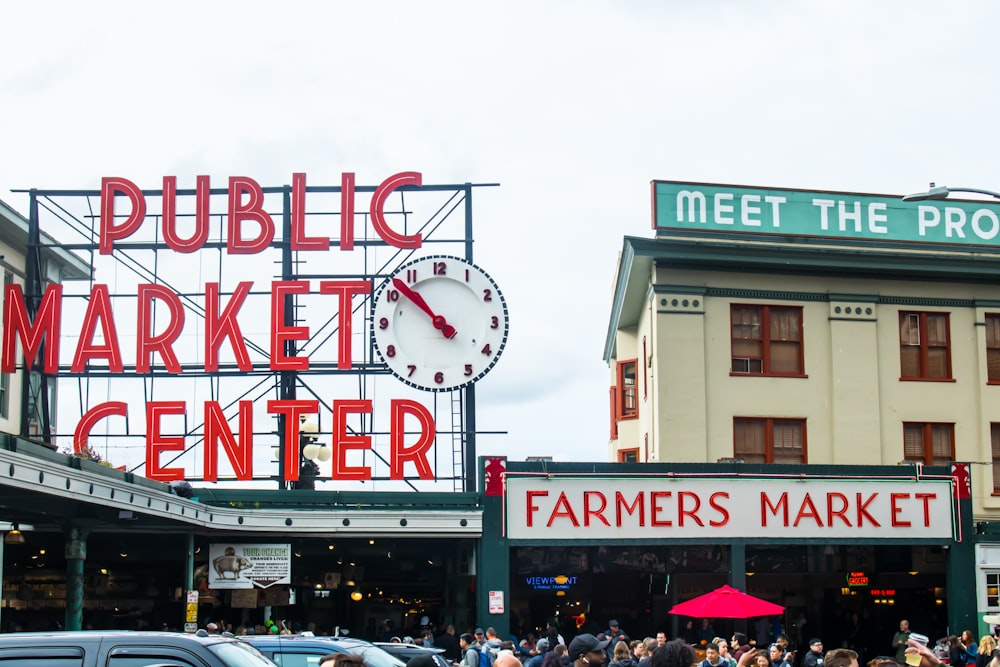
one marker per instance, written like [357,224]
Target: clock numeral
[393,295]
[440,269]
[487,350]
[411,275]
[439,377]
[383,323]
[468,370]
[487,295]
[413,369]
[494,322]
[390,351]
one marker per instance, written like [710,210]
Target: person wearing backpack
[471,650]
[712,657]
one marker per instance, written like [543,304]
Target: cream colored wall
[852,400]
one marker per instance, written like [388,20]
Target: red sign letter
[110,232]
[299,239]
[399,452]
[91,417]
[281,332]
[225,325]
[98,311]
[15,323]
[216,427]
[169,224]
[251,210]
[407,242]
[156,443]
[146,342]
[344,289]
[343,442]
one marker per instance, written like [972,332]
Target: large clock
[439,323]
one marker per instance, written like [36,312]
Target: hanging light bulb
[14,535]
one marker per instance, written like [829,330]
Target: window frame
[623,413]
[614,412]
[923,346]
[995,458]
[769,423]
[928,441]
[766,342]
[995,319]
[624,453]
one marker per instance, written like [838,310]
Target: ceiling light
[14,535]
[356,596]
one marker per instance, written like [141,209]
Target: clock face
[439,323]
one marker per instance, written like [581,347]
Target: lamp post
[310,452]
[938,192]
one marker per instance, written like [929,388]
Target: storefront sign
[857,579]
[496,602]
[556,508]
[248,565]
[843,215]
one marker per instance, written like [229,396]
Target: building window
[929,443]
[923,346]
[993,348]
[995,447]
[766,340]
[993,589]
[628,455]
[769,440]
[628,406]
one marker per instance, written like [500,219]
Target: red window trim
[928,441]
[765,325]
[924,347]
[769,436]
[614,413]
[621,410]
[623,452]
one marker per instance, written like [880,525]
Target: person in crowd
[986,646]
[493,644]
[971,647]
[724,650]
[775,655]
[956,651]
[675,653]
[540,651]
[841,657]
[689,633]
[652,645]
[899,641]
[661,638]
[712,657]
[342,660]
[623,656]
[557,657]
[449,642]
[927,657]
[504,659]
[706,632]
[814,658]
[586,650]
[470,650]
[638,647]
[614,634]
[738,645]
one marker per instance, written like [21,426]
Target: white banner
[564,508]
[249,565]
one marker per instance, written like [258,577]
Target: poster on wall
[233,566]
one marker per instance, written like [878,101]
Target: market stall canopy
[726,602]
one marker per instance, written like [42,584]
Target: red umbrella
[726,602]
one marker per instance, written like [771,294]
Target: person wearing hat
[541,648]
[814,658]
[615,634]
[587,651]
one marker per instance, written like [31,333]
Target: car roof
[391,645]
[96,634]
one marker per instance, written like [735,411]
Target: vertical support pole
[34,395]
[76,554]
[469,403]
[961,570]
[492,562]
[189,563]
[738,576]
[286,389]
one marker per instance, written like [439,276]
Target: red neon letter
[216,428]
[146,342]
[655,510]
[299,239]
[721,509]
[532,507]
[156,443]
[218,327]
[15,323]
[98,311]
[86,424]
[894,499]
[387,234]
[110,232]
[399,452]
[765,505]
[863,511]
[682,511]
[837,512]
[169,223]
[563,509]
[347,211]
[620,504]
[344,289]
[292,409]
[251,210]
[343,442]
[598,512]
[281,332]
[807,510]
[926,499]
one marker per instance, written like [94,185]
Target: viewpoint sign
[709,207]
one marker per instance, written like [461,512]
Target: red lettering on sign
[201,220]
[216,429]
[344,442]
[298,214]
[655,509]
[638,505]
[838,509]
[157,443]
[598,512]
[863,511]
[219,327]
[282,332]
[721,509]
[682,511]
[98,313]
[110,231]
[146,341]
[251,209]
[894,499]
[807,510]
[416,453]
[926,499]
[345,290]
[563,510]
[17,326]
[531,507]
[766,505]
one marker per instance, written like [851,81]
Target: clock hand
[439,322]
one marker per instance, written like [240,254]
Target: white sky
[573,107]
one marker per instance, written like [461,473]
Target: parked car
[407,651]
[306,650]
[124,648]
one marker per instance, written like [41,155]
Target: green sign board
[710,207]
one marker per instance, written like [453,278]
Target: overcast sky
[573,107]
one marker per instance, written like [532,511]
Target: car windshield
[376,657]
[239,654]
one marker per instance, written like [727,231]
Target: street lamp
[937,192]
[310,452]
